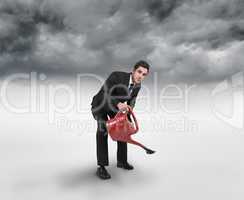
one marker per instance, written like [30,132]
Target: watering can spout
[149,151]
[121,129]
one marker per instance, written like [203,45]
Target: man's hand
[123,106]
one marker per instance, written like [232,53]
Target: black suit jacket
[113,91]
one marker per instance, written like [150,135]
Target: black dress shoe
[125,166]
[103,173]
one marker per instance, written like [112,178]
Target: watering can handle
[129,110]
[134,118]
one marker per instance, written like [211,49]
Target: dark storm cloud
[24,23]
[226,10]
[237,32]
[234,33]
[161,9]
[184,40]
[200,41]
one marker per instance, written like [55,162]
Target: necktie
[131,88]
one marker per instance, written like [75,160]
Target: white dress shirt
[130,82]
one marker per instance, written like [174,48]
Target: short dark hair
[143,64]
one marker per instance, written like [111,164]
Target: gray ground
[42,161]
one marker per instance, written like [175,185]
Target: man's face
[139,74]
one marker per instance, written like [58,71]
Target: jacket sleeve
[132,102]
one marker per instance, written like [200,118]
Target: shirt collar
[130,82]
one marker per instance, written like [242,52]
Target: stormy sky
[183,40]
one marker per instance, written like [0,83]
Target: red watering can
[121,129]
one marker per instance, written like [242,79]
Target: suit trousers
[102,143]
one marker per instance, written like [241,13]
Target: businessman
[117,93]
